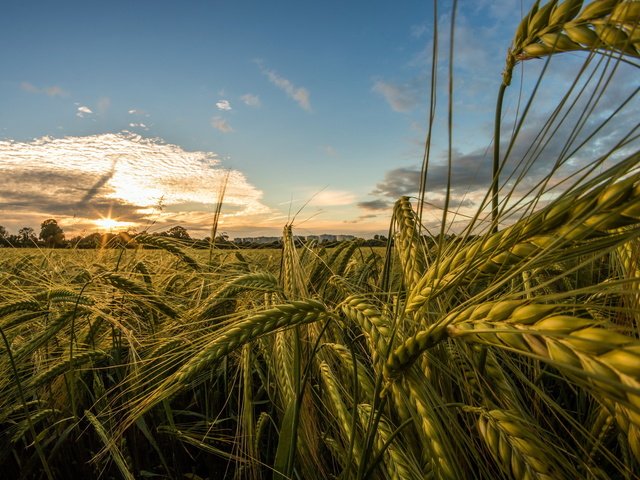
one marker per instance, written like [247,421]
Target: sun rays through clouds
[115,180]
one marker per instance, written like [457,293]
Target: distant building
[259,240]
[325,237]
[344,238]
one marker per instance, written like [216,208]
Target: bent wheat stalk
[227,340]
[609,26]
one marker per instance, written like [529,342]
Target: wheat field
[506,348]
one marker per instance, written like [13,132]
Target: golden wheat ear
[602,26]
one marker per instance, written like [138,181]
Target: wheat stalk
[168,245]
[409,242]
[564,223]
[110,445]
[227,340]
[517,446]
[78,359]
[399,462]
[138,290]
[259,281]
[344,421]
[438,450]
[375,325]
[604,361]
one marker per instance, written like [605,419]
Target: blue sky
[139,108]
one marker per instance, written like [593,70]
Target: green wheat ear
[169,245]
[603,25]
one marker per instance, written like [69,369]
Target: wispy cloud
[418,31]
[223,105]
[251,100]
[138,112]
[299,94]
[375,205]
[83,111]
[401,97]
[368,216]
[329,150]
[332,198]
[221,124]
[139,125]
[52,91]
[103,104]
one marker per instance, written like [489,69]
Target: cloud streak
[401,97]
[221,124]
[332,198]
[299,94]
[52,91]
[376,205]
[251,100]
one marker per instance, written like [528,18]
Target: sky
[315,112]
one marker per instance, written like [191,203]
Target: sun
[107,223]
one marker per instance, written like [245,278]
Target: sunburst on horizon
[109,224]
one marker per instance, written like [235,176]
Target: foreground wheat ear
[605,25]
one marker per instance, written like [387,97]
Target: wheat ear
[168,245]
[564,223]
[603,25]
[229,339]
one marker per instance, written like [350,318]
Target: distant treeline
[52,236]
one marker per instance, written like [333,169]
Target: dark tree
[51,233]
[27,237]
[178,232]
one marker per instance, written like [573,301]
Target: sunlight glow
[110,224]
[93,180]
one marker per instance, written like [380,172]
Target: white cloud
[52,91]
[83,111]
[401,98]
[221,124]
[299,94]
[85,177]
[223,105]
[251,100]
[139,125]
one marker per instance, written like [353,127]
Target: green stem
[496,160]
[297,358]
[23,399]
